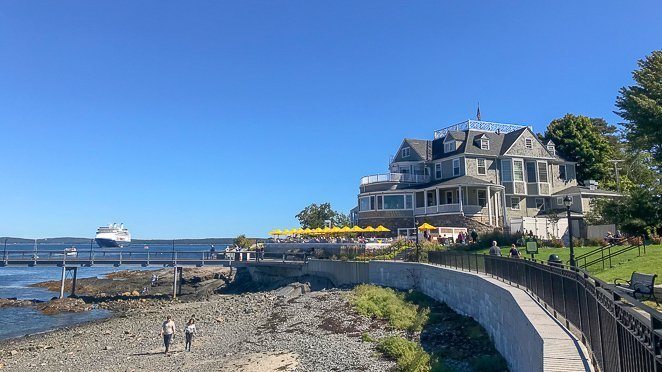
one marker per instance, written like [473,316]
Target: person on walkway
[189,332]
[474,236]
[494,249]
[167,331]
[514,252]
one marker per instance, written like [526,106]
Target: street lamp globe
[567,201]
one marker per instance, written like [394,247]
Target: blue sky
[218,118]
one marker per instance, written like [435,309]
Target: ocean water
[15,283]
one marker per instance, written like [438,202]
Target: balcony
[395,178]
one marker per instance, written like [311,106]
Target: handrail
[620,332]
[598,249]
[395,177]
[610,255]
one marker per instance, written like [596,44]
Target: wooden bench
[643,284]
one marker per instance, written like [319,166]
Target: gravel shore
[264,331]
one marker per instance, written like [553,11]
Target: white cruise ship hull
[110,243]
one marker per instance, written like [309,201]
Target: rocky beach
[285,329]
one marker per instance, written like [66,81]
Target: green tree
[641,106]
[242,241]
[313,216]
[578,139]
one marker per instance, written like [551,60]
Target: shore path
[316,331]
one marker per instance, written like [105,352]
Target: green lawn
[622,265]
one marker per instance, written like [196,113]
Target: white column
[459,193]
[496,209]
[489,205]
[64,275]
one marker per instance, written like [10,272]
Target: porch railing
[621,333]
[395,177]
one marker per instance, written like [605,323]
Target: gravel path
[316,331]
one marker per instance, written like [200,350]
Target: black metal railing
[621,333]
[605,254]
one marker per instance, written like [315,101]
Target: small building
[475,175]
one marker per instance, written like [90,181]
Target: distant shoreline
[73,240]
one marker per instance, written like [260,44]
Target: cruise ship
[113,235]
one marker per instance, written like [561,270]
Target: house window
[562,172]
[449,197]
[456,167]
[518,172]
[506,170]
[420,199]
[437,171]
[394,202]
[531,172]
[540,204]
[432,197]
[406,152]
[514,203]
[559,201]
[484,144]
[408,202]
[372,203]
[380,204]
[542,172]
[364,203]
[482,168]
[528,143]
[449,146]
[482,198]
[551,149]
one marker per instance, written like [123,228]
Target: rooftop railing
[478,125]
[395,177]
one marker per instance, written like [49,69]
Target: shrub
[502,239]
[386,303]
[408,355]
[554,243]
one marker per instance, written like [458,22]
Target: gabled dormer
[452,141]
[551,147]
[482,141]
[413,150]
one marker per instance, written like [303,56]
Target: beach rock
[135,293]
[108,348]
[13,352]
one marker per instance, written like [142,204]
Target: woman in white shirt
[189,332]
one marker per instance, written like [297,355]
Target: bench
[641,283]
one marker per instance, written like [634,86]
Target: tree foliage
[242,241]
[313,216]
[578,139]
[641,106]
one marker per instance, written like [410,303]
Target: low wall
[527,336]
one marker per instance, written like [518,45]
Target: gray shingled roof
[473,145]
[585,191]
[459,181]
[420,147]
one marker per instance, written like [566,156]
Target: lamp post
[567,201]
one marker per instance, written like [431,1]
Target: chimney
[591,184]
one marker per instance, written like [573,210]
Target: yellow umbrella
[356,228]
[345,229]
[326,230]
[276,232]
[426,226]
[317,230]
[381,228]
[369,229]
[335,229]
[298,231]
[286,232]
[307,231]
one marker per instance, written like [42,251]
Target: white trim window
[406,151]
[437,171]
[408,201]
[540,204]
[531,171]
[514,203]
[484,144]
[506,170]
[449,146]
[559,201]
[528,143]
[518,170]
[456,167]
[551,149]
[563,175]
[481,165]
[542,172]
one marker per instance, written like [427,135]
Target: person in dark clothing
[514,252]
[189,332]
[474,236]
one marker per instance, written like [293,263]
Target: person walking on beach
[168,331]
[189,332]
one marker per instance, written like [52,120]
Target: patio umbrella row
[328,230]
